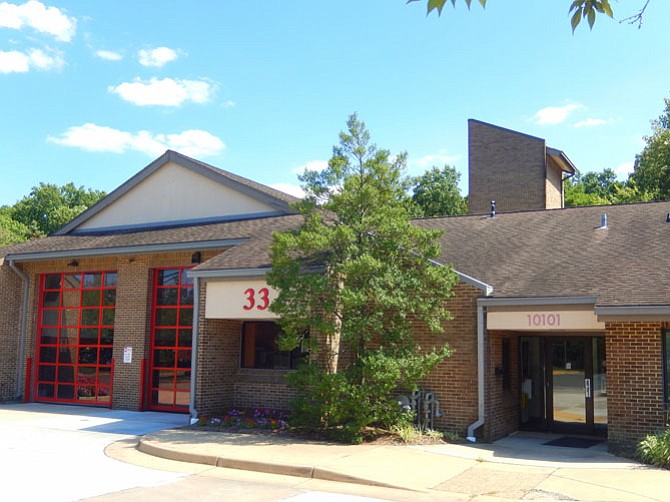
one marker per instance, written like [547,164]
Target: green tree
[579,10]
[652,166]
[357,275]
[48,207]
[601,188]
[11,231]
[436,193]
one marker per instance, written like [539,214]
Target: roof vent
[493,209]
[603,220]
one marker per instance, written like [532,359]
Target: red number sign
[263,297]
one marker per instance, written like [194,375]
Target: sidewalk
[517,467]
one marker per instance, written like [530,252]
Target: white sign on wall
[239,300]
[548,320]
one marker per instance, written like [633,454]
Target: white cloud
[312,165]
[36,15]
[552,115]
[109,55]
[229,104]
[14,62]
[164,92]
[434,159]
[290,189]
[590,122]
[44,61]
[157,56]
[623,170]
[95,138]
[22,62]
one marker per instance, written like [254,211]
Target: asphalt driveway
[56,453]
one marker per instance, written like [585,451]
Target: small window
[666,365]
[259,347]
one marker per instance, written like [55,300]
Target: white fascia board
[125,250]
[560,300]
[482,286]
[228,274]
[634,310]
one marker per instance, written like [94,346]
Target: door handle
[587,387]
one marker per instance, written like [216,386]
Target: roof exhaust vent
[603,220]
[493,209]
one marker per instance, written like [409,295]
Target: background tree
[11,231]
[652,165]
[48,207]
[601,188]
[579,10]
[357,274]
[436,193]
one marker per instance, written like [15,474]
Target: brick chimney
[518,171]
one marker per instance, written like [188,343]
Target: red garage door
[171,332]
[75,337]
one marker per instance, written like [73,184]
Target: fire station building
[155,299]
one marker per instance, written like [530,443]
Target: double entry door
[564,384]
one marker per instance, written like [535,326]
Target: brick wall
[218,362]
[222,383]
[454,381]
[132,319]
[634,382]
[554,185]
[502,402]
[506,166]
[11,294]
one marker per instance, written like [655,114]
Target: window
[666,365]
[259,347]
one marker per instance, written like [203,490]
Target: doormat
[571,442]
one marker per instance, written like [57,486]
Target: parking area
[56,452]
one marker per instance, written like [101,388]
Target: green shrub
[340,405]
[655,449]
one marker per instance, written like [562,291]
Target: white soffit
[175,194]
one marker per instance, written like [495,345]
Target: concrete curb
[310,472]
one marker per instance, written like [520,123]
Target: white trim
[557,300]
[119,250]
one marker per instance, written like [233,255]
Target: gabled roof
[280,201]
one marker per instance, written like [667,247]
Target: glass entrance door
[577,397]
[568,375]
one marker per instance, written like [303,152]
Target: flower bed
[246,419]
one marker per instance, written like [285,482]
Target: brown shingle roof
[552,253]
[110,243]
[563,252]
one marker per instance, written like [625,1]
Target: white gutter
[193,411]
[22,335]
[481,373]
[481,396]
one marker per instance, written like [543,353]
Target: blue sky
[91,92]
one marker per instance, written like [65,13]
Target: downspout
[194,349]
[481,408]
[23,328]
